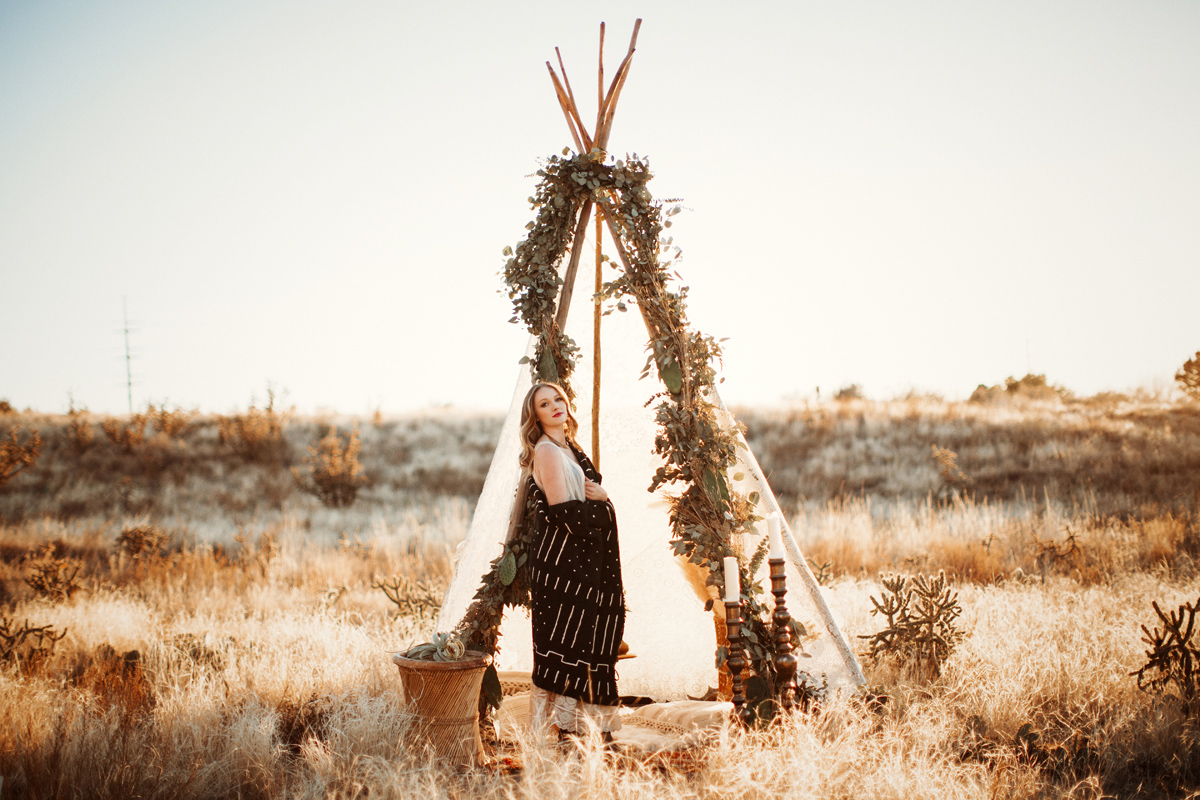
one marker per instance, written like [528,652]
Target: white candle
[776,537]
[733,586]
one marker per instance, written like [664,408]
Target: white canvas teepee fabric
[667,628]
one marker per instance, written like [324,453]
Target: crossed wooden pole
[585,143]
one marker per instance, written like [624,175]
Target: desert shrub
[126,435]
[6,408]
[953,481]
[173,423]
[26,645]
[1173,659]
[80,432]
[334,472]
[1031,387]
[53,576]
[852,391]
[256,435]
[18,453]
[1188,377]
[919,625]
[141,540]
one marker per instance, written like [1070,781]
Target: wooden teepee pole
[568,108]
[606,104]
[604,127]
[564,297]
[600,84]
[596,351]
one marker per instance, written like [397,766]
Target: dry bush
[953,482]
[172,423]
[140,541]
[6,408]
[52,576]
[19,453]
[80,432]
[1031,388]
[127,435]
[256,435]
[335,474]
[852,391]
[1188,377]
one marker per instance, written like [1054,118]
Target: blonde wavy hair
[531,429]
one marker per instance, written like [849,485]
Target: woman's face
[550,407]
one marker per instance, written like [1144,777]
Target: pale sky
[925,195]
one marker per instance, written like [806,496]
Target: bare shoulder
[545,452]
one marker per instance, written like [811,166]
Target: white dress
[547,708]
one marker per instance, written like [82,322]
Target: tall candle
[776,537]
[733,586]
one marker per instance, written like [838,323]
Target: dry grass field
[179,617]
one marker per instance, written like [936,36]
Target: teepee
[650,416]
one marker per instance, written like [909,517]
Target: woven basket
[444,695]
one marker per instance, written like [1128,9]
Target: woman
[578,602]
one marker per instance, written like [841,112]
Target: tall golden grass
[223,645]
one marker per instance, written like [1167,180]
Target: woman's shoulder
[545,451]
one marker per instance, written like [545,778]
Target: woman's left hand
[593,490]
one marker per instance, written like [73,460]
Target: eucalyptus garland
[697,449]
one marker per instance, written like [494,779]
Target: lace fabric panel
[667,629]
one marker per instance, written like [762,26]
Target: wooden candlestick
[735,661]
[785,659]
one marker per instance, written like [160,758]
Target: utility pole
[128,364]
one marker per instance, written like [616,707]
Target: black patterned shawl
[577,597]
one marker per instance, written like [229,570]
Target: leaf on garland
[716,485]
[493,692]
[672,377]
[508,569]
[546,369]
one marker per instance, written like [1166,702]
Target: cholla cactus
[1173,659]
[920,621]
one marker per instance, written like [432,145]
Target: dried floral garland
[697,449]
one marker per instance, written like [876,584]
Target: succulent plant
[442,647]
